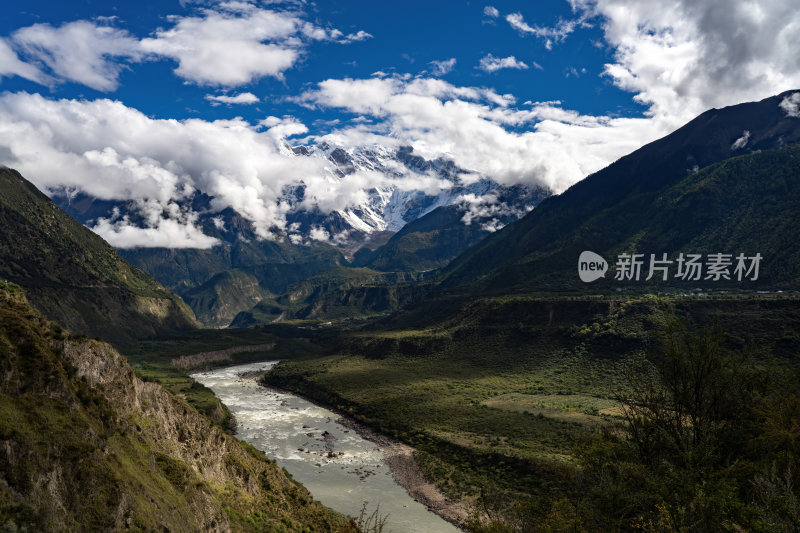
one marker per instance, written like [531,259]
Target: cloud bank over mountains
[676,57]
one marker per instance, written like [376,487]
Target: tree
[691,403]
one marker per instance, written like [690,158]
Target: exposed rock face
[85,445]
[197,360]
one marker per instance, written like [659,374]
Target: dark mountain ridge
[73,276]
[616,209]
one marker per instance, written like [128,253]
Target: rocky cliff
[85,445]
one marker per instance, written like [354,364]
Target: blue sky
[406,37]
[150,102]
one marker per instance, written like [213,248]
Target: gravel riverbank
[400,459]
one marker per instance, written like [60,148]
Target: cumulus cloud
[440,68]
[791,105]
[491,11]
[681,57]
[80,51]
[237,43]
[481,130]
[241,98]
[282,128]
[114,152]
[227,45]
[493,64]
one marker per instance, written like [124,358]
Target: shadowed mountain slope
[73,276]
[667,197]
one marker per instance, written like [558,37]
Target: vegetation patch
[503,397]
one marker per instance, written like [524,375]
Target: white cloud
[480,129]
[358,36]
[741,142]
[681,57]
[219,223]
[491,11]
[10,65]
[493,64]
[241,98]
[282,128]
[573,72]
[229,48]
[237,43]
[179,231]
[366,96]
[319,234]
[440,68]
[517,21]
[80,51]
[791,105]
[230,44]
[550,35]
[486,209]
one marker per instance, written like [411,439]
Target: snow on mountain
[390,207]
[396,187]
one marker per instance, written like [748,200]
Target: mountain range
[392,230]
[707,182]
[725,183]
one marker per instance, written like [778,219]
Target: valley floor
[498,397]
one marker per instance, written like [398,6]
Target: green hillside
[183,270]
[87,446]
[745,204]
[231,278]
[222,297]
[338,293]
[427,243]
[74,276]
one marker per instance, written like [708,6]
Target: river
[299,435]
